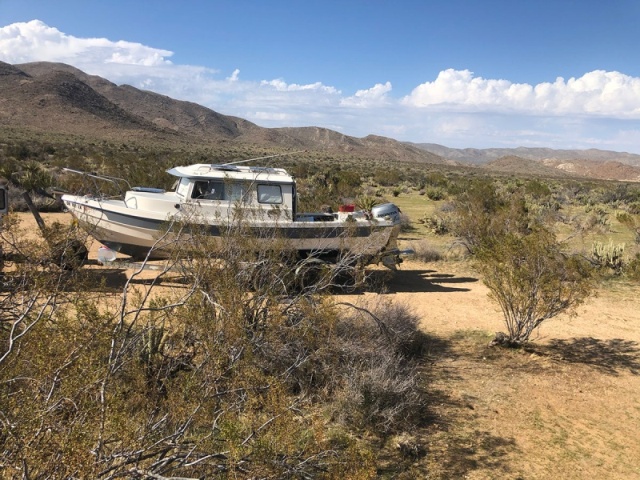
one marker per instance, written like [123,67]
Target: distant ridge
[513,164]
[591,163]
[479,156]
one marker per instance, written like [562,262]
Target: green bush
[435,193]
[532,280]
[632,268]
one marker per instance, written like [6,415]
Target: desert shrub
[226,376]
[537,189]
[387,177]
[632,268]
[481,214]
[380,348]
[632,222]
[598,218]
[532,280]
[435,193]
[435,224]
[525,268]
[634,208]
[405,223]
[424,252]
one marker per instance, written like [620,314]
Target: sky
[460,73]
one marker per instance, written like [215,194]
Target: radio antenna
[262,158]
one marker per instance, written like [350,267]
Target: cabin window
[211,190]
[219,190]
[271,194]
[236,192]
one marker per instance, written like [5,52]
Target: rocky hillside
[58,98]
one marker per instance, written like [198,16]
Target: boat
[214,196]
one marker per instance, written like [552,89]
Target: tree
[482,215]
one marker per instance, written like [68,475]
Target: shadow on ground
[451,444]
[418,281]
[114,280]
[609,356]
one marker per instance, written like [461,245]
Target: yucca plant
[367,202]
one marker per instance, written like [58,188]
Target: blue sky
[462,73]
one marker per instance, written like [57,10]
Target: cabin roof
[238,172]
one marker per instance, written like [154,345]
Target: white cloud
[31,41]
[603,93]
[376,95]
[456,109]
[234,76]
[281,86]
[271,116]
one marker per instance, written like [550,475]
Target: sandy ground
[568,408]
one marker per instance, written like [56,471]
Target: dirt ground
[568,407]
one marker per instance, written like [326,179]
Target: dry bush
[632,268]
[436,224]
[525,268]
[424,252]
[482,214]
[380,349]
[226,376]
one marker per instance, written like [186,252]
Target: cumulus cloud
[375,95]
[31,41]
[595,93]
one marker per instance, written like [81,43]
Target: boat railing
[116,181]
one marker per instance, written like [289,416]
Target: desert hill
[484,155]
[54,97]
[519,165]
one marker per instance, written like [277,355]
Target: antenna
[262,158]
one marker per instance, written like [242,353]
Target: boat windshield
[183,187]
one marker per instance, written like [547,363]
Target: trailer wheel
[309,273]
[69,254]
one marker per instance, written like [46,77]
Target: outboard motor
[386,211]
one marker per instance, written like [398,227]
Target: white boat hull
[145,234]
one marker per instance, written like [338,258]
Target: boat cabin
[259,190]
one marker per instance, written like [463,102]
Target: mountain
[59,98]
[519,165]
[480,156]
[59,101]
[592,163]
